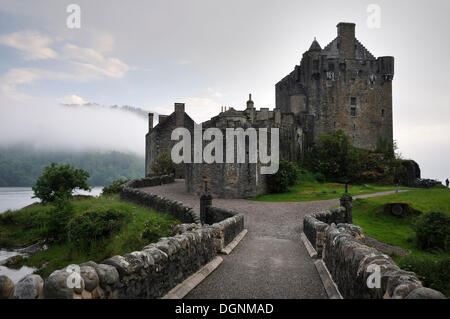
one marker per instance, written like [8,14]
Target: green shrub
[334,156]
[285,177]
[433,231]
[155,229]
[434,274]
[320,177]
[59,181]
[57,220]
[114,188]
[163,165]
[95,225]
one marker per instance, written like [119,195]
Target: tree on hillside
[59,181]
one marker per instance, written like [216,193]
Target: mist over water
[56,127]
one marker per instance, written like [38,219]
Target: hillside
[21,166]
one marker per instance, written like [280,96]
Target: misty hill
[136,110]
[21,166]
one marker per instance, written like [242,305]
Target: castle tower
[341,86]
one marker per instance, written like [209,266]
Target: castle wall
[158,139]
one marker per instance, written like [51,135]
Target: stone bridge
[271,261]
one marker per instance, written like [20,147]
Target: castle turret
[346,42]
[386,67]
[315,46]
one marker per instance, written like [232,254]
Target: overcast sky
[207,54]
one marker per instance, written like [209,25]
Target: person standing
[396,181]
[447,182]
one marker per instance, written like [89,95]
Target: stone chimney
[347,42]
[250,104]
[150,121]
[179,114]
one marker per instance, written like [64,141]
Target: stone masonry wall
[131,192]
[148,273]
[340,245]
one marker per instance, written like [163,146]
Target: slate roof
[331,50]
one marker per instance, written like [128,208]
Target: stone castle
[342,86]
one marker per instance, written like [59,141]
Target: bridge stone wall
[350,262]
[148,273]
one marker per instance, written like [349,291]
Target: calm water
[18,197]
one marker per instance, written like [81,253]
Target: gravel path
[271,261]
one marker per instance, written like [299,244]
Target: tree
[285,176]
[59,181]
[336,157]
[163,165]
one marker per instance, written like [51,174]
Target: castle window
[332,99]
[353,101]
[354,126]
[330,66]
[353,111]
[334,124]
[382,113]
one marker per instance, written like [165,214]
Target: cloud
[73,99]
[215,93]
[76,63]
[95,61]
[33,45]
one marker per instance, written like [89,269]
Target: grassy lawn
[308,189]
[369,214]
[23,226]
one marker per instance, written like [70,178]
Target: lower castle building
[342,86]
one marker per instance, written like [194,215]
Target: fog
[56,127]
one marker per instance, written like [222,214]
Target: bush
[94,225]
[163,165]
[285,177]
[155,229]
[433,231]
[57,221]
[434,274]
[114,188]
[59,181]
[334,156]
[320,177]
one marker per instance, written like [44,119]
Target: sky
[207,54]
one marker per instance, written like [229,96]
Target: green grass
[430,266]
[23,226]
[368,213]
[308,189]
